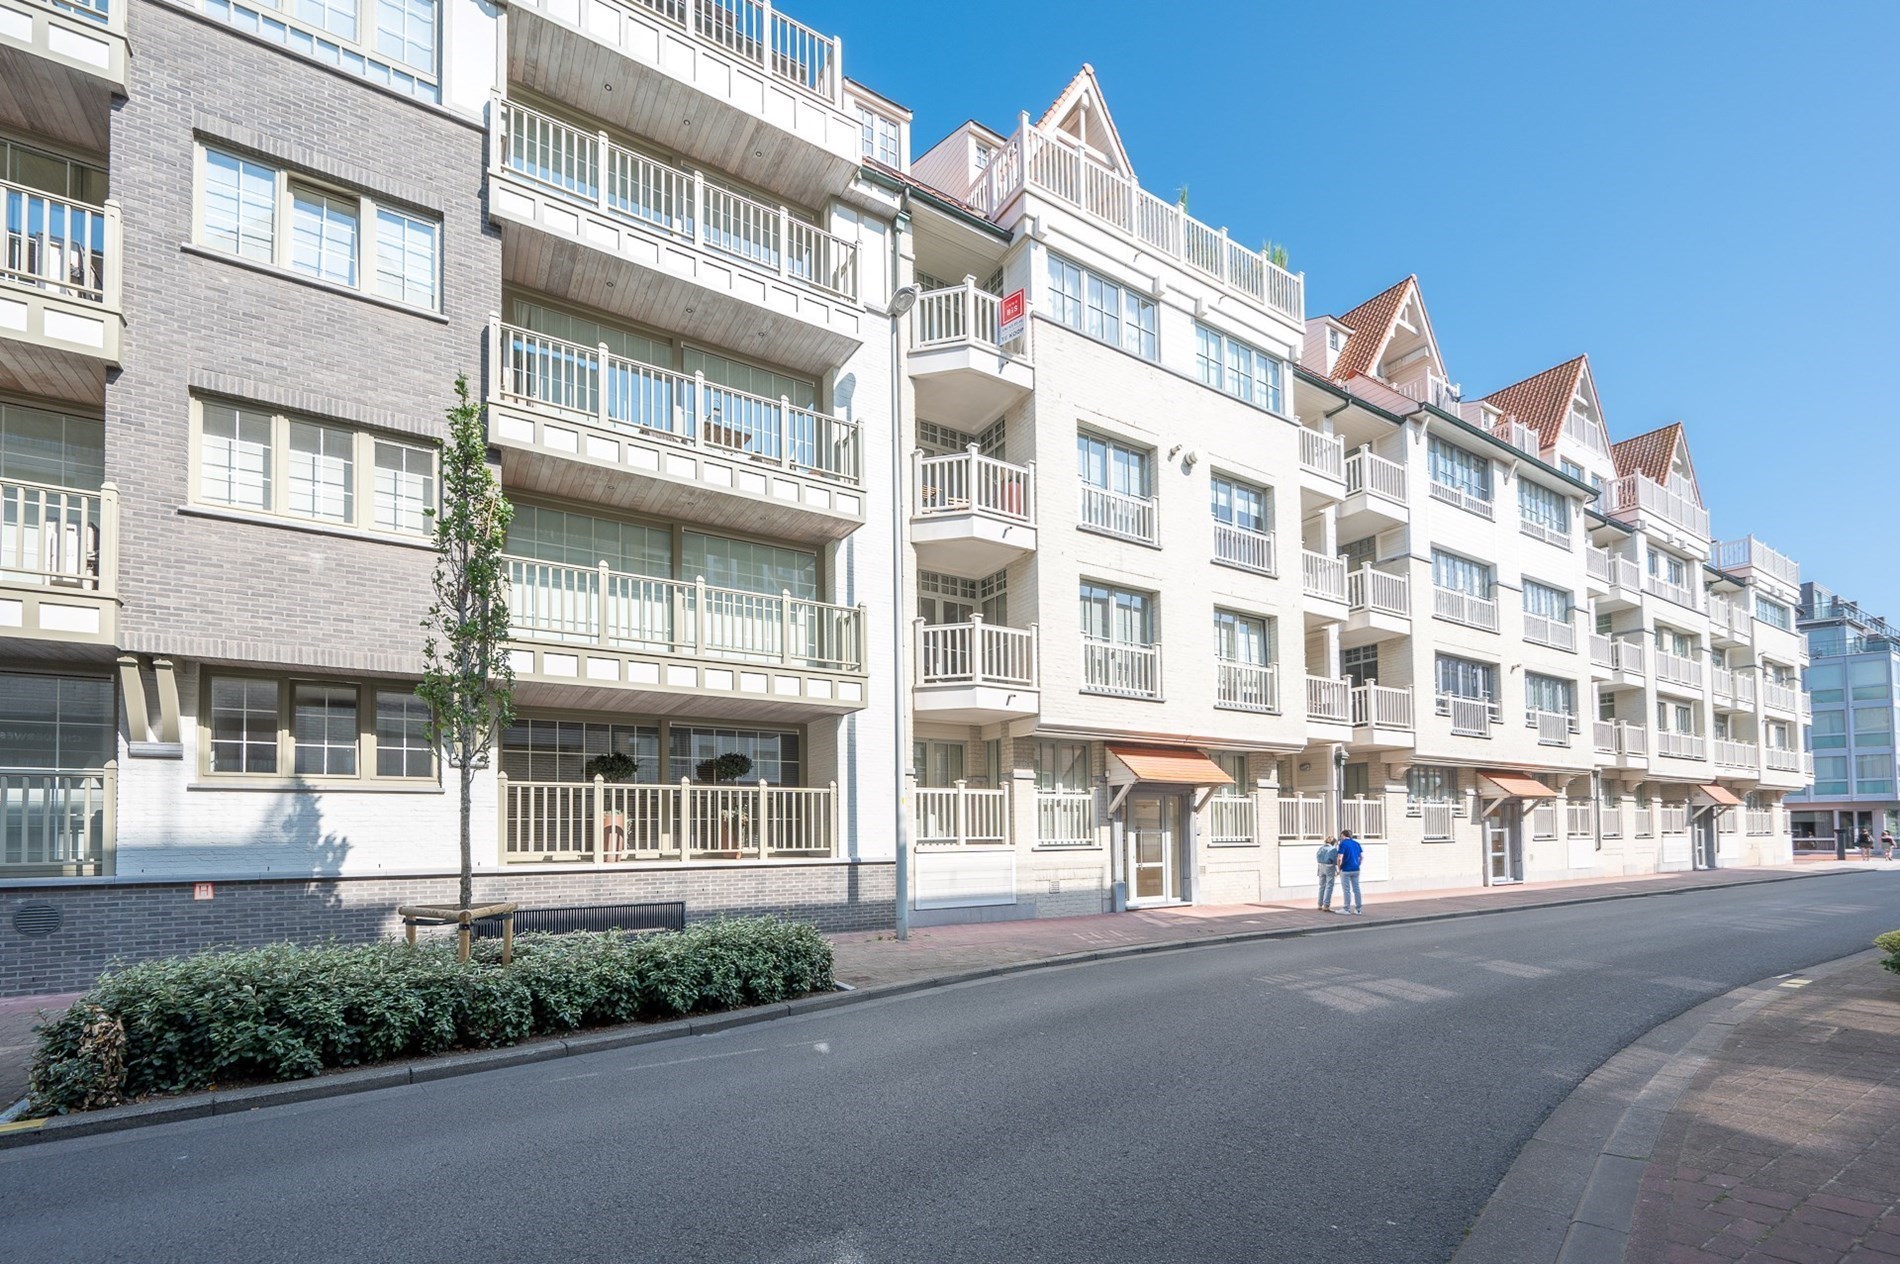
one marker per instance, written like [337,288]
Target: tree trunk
[468,862]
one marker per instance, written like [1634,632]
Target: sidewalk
[1785,1148]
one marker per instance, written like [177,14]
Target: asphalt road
[1343,1097]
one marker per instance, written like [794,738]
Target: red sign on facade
[1011,315]
[201,890]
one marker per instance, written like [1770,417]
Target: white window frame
[367,695]
[362,53]
[1135,318]
[1240,369]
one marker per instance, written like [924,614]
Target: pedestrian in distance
[1328,858]
[1866,843]
[1351,899]
[1886,842]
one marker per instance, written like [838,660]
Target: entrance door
[1504,843]
[1705,839]
[1152,838]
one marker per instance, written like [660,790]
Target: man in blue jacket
[1350,853]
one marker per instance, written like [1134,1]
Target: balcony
[594,822]
[57,822]
[1470,717]
[1375,495]
[1378,605]
[1749,556]
[1554,728]
[1065,818]
[1681,594]
[1381,717]
[1304,817]
[1247,687]
[1435,821]
[1681,745]
[704,78]
[1783,698]
[1734,690]
[1364,817]
[1115,513]
[1244,549]
[1463,607]
[586,636]
[52,51]
[1542,531]
[1676,669]
[975,672]
[1759,821]
[574,420]
[59,568]
[960,816]
[1740,756]
[1730,623]
[1230,819]
[1557,634]
[1328,700]
[1462,498]
[1323,578]
[1634,498]
[1057,165]
[1121,670]
[1612,574]
[972,515]
[964,375]
[59,292]
[1781,759]
[1322,468]
[591,222]
[1628,743]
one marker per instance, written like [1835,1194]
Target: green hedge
[284,1012]
[1889,943]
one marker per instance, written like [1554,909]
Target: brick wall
[141,920]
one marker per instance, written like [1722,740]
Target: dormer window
[984,152]
[1335,340]
[878,137]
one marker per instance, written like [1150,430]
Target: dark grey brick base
[104,921]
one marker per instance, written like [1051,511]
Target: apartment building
[1852,679]
[249,249]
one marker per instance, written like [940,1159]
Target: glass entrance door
[1705,839]
[1151,847]
[1504,843]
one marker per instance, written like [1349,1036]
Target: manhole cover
[36,921]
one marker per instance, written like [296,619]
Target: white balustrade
[1304,817]
[1244,548]
[1558,634]
[1366,471]
[610,823]
[1684,596]
[1781,759]
[1435,821]
[962,482]
[1470,717]
[1604,733]
[1230,818]
[1679,669]
[57,822]
[1681,745]
[58,537]
[1748,553]
[1322,576]
[1326,699]
[1463,498]
[1579,819]
[960,816]
[1247,687]
[1778,697]
[1602,650]
[1126,671]
[1370,589]
[72,249]
[1733,754]
[1065,818]
[1465,608]
[1322,453]
[1634,493]
[963,315]
[1118,514]
[1364,817]
[1381,706]
[1553,727]
[976,653]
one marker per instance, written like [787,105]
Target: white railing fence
[1364,817]
[1381,706]
[963,314]
[1370,589]
[1326,699]
[1322,453]
[1247,687]
[976,653]
[1230,818]
[1553,727]
[58,822]
[1065,818]
[1366,471]
[609,823]
[1559,634]
[1465,608]
[1118,514]
[1435,821]
[67,248]
[1635,492]
[1470,717]
[1127,671]
[1304,817]
[1249,550]
[59,537]
[1323,576]
[1681,745]
[963,481]
[960,816]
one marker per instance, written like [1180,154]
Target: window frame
[1091,304]
[284,775]
[1474,477]
[287,185]
[1235,369]
[279,24]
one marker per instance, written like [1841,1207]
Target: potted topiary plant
[614,768]
[735,823]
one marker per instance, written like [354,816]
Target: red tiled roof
[1542,402]
[1171,765]
[1370,322]
[1652,455]
[914,182]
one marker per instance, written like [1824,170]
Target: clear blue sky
[1704,196]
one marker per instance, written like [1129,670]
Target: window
[52,173]
[1242,638]
[1675,717]
[1873,774]
[1571,468]
[317,729]
[1873,726]
[401,54]
[1549,694]
[1240,370]
[1461,574]
[1828,731]
[256,211]
[878,137]
[1430,785]
[983,154]
[1466,678]
[774,754]
[1459,470]
[1668,567]
[1234,765]
[1062,767]
[1830,775]
[1242,505]
[1773,613]
[749,566]
[1867,679]
[329,473]
[1116,615]
[1114,466]
[1547,602]
[536,749]
[38,445]
[1670,641]
[1544,511]
[1102,309]
[937,765]
[55,721]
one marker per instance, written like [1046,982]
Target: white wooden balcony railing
[1322,453]
[1681,745]
[547,375]
[72,249]
[1733,754]
[1748,553]
[962,482]
[1553,727]
[1612,568]
[1543,819]
[1679,669]
[1118,514]
[1758,821]
[611,823]
[1058,165]
[1730,618]
[1245,549]
[1776,697]
[1513,432]
[1366,471]
[1675,818]
[1463,498]
[1304,817]
[1247,687]
[1627,654]
[1631,739]
[1435,821]
[1781,759]
[1381,706]
[1230,818]
[1371,589]
[673,203]
[1326,699]
[963,315]
[976,653]
[1602,649]
[1364,817]
[1065,818]
[1635,493]
[1322,576]
[1603,733]
[1470,717]
[1684,596]
[788,51]
[1558,634]
[1465,608]
[1737,687]
[58,822]
[593,605]
[1610,818]
[1543,531]
[1579,819]
[1125,671]
[960,816]
[59,537]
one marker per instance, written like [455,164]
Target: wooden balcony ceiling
[706,705]
[27,369]
[39,97]
[562,65]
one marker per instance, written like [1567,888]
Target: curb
[1569,1196]
[452,1065]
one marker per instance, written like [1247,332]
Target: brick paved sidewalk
[1785,1148]
[865,959]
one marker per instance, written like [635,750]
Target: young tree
[466,678]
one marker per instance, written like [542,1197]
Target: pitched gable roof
[1371,324]
[1652,455]
[1542,401]
[1084,91]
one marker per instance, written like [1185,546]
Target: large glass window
[1544,507]
[1240,370]
[1830,775]
[1065,292]
[406,258]
[322,472]
[406,31]
[537,749]
[576,539]
[244,725]
[323,235]
[1869,680]
[303,468]
[1238,504]
[41,446]
[51,721]
[1114,466]
[1873,726]
[1460,574]
[1102,309]
[1873,774]
[399,54]
[1773,613]
[405,487]
[1827,683]
[878,137]
[323,730]
[1550,693]
[1462,471]
[1117,615]
[402,735]
[52,173]
[235,457]
[1466,678]
[335,730]
[1062,767]
[775,754]
[240,206]
[1828,730]
[1425,784]
[1547,602]
[748,565]
[1243,638]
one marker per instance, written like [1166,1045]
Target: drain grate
[37,921]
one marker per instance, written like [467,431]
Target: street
[1341,1097]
